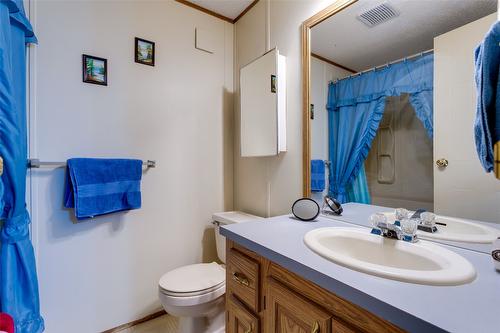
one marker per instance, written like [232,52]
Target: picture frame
[144,52]
[94,70]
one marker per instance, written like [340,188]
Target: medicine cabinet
[263,106]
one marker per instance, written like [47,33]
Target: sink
[457,230]
[421,262]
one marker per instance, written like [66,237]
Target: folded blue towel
[100,186]
[487,122]
[317,175]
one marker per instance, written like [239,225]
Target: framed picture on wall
[144,52]
[94,70]
[273,83]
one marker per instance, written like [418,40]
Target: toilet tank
[228,218]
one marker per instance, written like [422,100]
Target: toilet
[195,293]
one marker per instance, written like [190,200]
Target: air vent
[378,14]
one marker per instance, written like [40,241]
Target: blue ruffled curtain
[356,106]
[18,280]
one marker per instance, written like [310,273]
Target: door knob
[442,163]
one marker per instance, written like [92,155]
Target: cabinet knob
[1,166]
[442,163]
[241,279]
[315,328]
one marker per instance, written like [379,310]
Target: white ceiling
[344,39]
[228,8]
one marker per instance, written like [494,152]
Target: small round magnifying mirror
[305,209]
[334,205]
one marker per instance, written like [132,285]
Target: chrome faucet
[401,230]
[389,230]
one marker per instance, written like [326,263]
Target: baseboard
[135,322]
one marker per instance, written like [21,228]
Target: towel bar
[36,163]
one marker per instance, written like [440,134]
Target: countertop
[474,307]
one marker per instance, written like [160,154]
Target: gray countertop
[474,307]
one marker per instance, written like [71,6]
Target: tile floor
[163,324]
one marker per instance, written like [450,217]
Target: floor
[163,324]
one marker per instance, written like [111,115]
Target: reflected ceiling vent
[378,14]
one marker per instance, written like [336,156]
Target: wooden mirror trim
[331,10]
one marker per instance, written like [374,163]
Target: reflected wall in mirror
[390,104]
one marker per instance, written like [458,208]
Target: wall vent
[378,14]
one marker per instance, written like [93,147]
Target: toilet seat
[193,280]
[185,301]
[193,293]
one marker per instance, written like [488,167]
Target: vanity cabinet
[293,313]
[262,296]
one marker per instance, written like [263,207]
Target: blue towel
[100,186]
[487,122]
[317,175]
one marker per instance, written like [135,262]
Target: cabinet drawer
[243,278]
[239,319]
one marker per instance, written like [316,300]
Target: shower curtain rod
[385,65]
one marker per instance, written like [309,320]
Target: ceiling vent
[378,14]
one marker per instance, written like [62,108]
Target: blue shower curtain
[356,106]
[18,280]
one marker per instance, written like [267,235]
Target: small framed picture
[273,83]
[144,52]
[94,70]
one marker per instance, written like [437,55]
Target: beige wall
[267,186]
[102,273]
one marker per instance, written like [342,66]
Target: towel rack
[36,163]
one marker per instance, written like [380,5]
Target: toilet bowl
[195,293]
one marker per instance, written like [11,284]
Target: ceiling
[228,8]
[345,40]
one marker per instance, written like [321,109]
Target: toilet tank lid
[233,217]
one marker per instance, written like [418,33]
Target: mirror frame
[319,17]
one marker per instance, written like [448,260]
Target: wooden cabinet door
[288,312]
[341,327]
[239,319]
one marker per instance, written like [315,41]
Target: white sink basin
[421,262]
[457,230]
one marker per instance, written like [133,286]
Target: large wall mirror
[390,103]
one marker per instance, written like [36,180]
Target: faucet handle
[409,229]
[401,213]
[428,218]
[377,221]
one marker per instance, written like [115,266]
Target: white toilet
[195,293]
